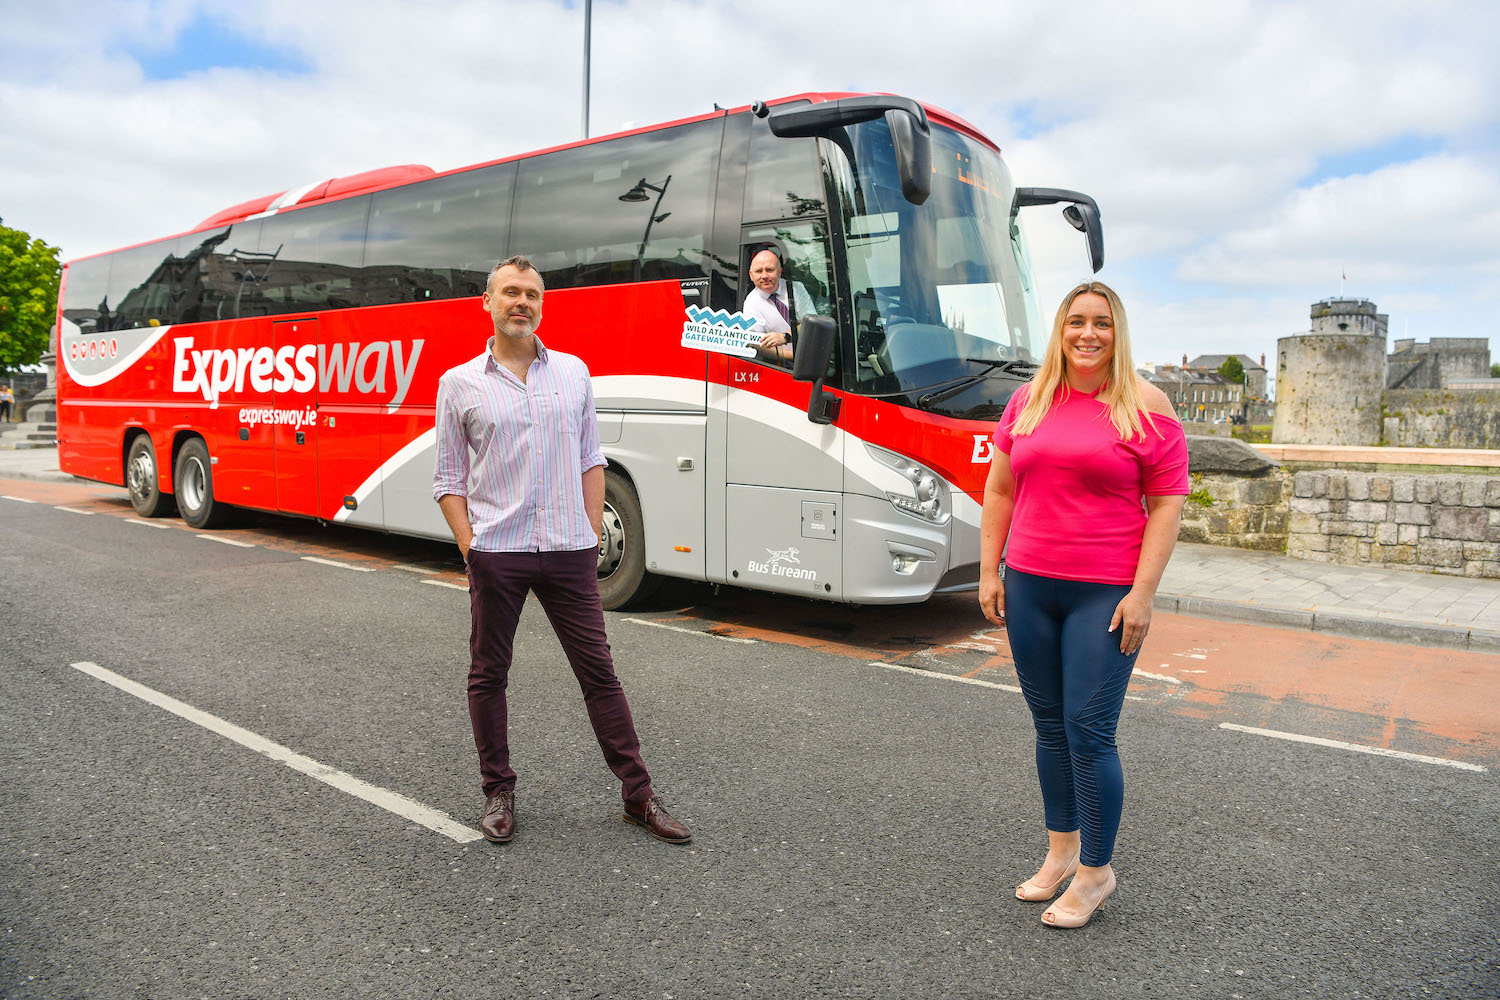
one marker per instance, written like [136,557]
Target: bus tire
[193,480]
[142,479]
[623,579]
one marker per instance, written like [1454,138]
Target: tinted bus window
[437,239]
[311,260]
[142,286]
[625,210]
[85,299]
[228,265]
[193,301]
[783,180]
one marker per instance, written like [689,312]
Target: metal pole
[661,192]
[588,17]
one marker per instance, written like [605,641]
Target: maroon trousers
[567,585]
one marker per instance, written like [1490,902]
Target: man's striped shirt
[517,451]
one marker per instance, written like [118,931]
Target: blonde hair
[1121,391]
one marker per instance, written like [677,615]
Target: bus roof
[381,178]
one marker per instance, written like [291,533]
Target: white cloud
[1194,125]
[1238,325]
[1433,219]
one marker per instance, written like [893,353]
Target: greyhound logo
[787,555]
[782,562]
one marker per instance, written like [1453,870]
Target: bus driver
[768,303]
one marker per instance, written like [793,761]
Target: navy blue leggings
[1074,678]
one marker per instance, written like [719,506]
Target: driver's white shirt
[767,317]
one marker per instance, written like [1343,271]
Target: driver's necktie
[781,308]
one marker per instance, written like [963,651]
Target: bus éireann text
[284,355]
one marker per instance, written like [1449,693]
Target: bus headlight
[928,498]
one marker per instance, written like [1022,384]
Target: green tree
[29,272]
[1232,369]
[1495,370]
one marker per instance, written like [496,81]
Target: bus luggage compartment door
[783,495]
[295,444]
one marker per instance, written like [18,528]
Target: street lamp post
[588,20]
[637,194]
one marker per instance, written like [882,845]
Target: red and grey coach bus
[284,355]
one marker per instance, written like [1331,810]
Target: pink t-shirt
[1079,512]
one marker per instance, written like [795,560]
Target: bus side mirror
[1084,217]
[1082,214]
[907,120]
[913,142]
[816,338]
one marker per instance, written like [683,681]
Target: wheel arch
[163,470]
[622,470]
[629,580]
[180,437]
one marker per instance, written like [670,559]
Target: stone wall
[1434,365]
[1441,418]
[1226,508]
[1435,524]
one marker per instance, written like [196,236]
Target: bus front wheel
[142,479]
[193,479]
[623,579]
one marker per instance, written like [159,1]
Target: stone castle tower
[1330,381]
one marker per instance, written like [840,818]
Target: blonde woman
[1083,500]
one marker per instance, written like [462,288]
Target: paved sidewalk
[1239,585]
[32,463]
[1363,601]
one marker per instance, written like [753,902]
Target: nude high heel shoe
[1054,919]
[1032,891]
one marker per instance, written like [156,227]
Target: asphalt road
[858,829]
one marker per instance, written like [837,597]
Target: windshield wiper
[991,367]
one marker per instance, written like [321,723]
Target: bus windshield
[940,291]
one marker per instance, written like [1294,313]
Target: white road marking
[72,510]
[1358,748]
[958,678]
[450,586]
[980,646]
[7,496]
[415,569]
[226,541]
[340,565]
[1156,677]
[149,524]
[689,631]
[386,799]
[1190,656]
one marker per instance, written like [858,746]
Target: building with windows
[1255,372]
[1197,394]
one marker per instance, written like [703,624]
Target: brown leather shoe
[658,822]
[499,822]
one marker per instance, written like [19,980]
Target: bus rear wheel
[623,579]
[193,479]
[142,479]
